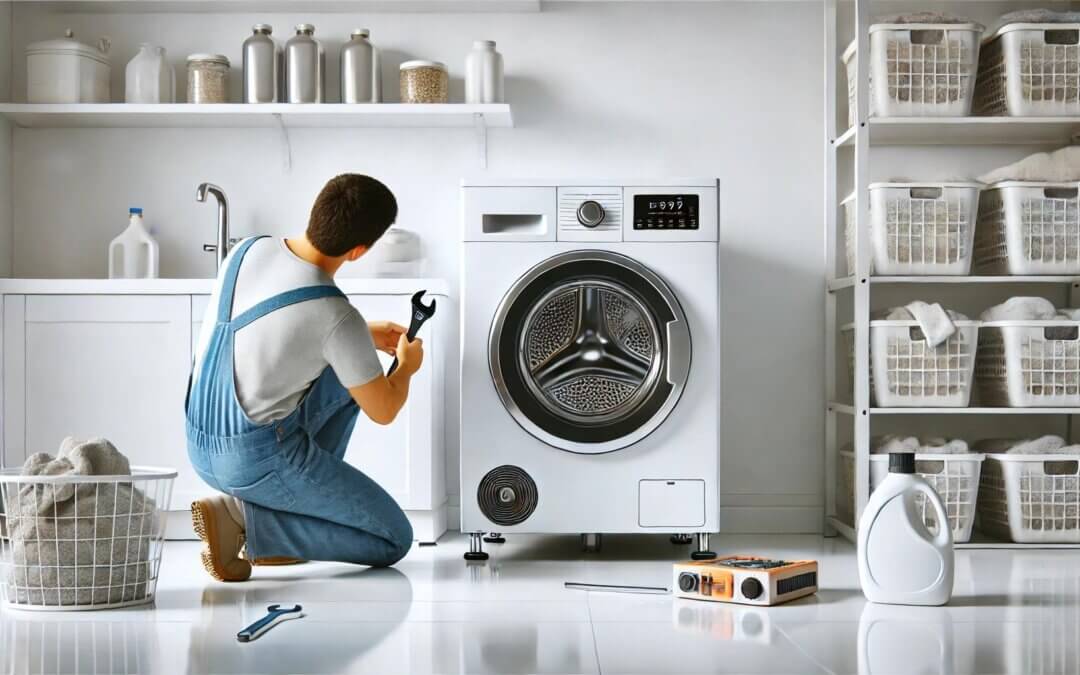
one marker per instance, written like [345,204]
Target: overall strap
[284,300]
[228,286]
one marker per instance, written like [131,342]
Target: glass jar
[423,82]
[207,78]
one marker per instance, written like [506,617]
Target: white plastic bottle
[484,74]
[134,254]
[900,561]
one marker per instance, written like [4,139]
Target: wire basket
[1031,499]
[1030,70]
[1029,364]
[82,542]
[917,228]
[955,477]
[905,372]
[1029,228]
[918,70]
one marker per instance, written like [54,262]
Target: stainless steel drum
[589,351]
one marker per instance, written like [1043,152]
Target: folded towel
[1044,445]
[934,321]
[1059,166]
[1038,16]
[883,445]
[1021,309]
[925,17]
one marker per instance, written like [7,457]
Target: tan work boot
[224,537]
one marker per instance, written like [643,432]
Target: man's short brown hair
[351,210]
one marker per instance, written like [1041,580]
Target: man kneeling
[284,366]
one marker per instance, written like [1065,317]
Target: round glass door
[589,351]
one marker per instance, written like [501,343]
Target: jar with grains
[423,82]
[207,78]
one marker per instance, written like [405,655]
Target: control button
[590,213]
[687,582]
[751,588]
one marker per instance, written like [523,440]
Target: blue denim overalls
[301,499]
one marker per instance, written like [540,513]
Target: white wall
[732,90]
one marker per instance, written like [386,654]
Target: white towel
[1044,445]
[883,445]
[935,322]
[1021,308]
[941,446]
[1059,166]
[925,17]
[1038,16]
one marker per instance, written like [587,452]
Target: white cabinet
[97,365]
[407,457]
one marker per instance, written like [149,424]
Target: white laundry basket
[905,372]
[955,477]
[99,548]
[918,70]
[1029,364]
[1031,499]
[1029,228]
[917,229]
[1030,69]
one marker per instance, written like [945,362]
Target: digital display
[666,212]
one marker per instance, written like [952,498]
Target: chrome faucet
[221,248]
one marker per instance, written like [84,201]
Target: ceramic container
[484,74]
[149,78]
[67,71]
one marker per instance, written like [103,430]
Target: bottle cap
[901,462]
[135,210]
[263,28]
[305,28]
[360,32]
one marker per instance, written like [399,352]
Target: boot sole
[277,562]
[204,527]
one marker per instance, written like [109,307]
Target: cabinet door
[405,457]
[99,365]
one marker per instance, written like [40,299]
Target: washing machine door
[589,351]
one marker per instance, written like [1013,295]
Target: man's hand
[386,335]
[409,355]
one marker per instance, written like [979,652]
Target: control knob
[590,213]
[751,588]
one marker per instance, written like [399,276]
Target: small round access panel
[589,351]
[507,495]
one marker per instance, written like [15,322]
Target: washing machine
[589,359]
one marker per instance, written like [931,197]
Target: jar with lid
[484,74]
[358,69]
[262,74]
[207,78]
[305,67]
[424,82]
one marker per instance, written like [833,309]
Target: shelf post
[831,418]
[861,292]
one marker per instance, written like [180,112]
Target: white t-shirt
[278,356]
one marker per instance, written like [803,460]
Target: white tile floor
[1013,612]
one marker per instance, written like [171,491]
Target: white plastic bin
[906,373]
[1029,364]
[1029,228]
[955,477]
[1031,499]
[1030,69]
[918,69]
[917,228]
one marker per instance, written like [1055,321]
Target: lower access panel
[671,503]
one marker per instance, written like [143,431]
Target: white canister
[397,254]
[484,74]
[149,78]
[67,71]
[134,254]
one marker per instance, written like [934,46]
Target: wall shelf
[849,281]
[245,115]
[966,131]
[310,6]
[849,409]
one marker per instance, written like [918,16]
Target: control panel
[666,211]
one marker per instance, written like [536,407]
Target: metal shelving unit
[850,150]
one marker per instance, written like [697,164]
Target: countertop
[352,286]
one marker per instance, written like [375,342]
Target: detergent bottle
[901,562]
[134,254]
